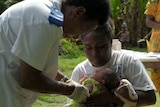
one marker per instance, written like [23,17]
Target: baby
[121,88]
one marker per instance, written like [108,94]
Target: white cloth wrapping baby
[126,93]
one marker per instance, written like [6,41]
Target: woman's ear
[79,11]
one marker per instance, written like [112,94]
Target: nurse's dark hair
[95,9]
[102,30]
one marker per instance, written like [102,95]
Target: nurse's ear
[79,11]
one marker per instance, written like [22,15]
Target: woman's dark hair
[95,9]
[103,30]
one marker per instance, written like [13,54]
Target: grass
[46,100]
[138,49]
[66,66]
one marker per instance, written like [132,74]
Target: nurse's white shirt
[26,34]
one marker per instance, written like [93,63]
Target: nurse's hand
[80,92]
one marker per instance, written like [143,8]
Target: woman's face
[97,48]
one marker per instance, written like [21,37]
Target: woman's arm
[150,22]
[146,98]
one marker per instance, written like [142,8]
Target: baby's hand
[83,78]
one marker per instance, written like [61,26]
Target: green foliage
[8,3]
[71,49]
[115,5]
[142,4]
[131,11]
[2,6]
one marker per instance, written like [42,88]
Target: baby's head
[107,77]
